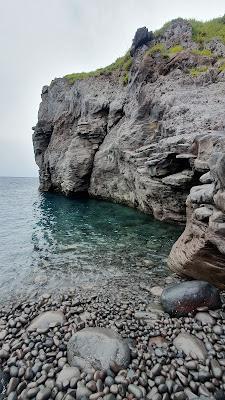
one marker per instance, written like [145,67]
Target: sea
[49,242]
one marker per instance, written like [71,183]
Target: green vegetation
[194,72]
[175,49]
[122,64]
[205,31]
[202,32]
[204,52]
[160,48]
[221,68]
[125,78]
[157,48]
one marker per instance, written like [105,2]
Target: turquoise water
[47,240]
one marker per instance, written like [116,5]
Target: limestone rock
[183,298]
[97,347]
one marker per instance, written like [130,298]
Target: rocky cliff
[148,132]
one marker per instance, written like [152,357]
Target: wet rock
[97,347]
[44,320]
[189,344]
[183,298]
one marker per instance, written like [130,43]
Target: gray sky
[44,39]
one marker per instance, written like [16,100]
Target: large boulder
[97,347]
[183,298]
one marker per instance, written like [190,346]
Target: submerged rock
[97,347]
[183,298]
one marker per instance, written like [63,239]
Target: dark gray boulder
[141,37]
[183,298]
[97,347]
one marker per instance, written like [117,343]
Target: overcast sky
[44,39]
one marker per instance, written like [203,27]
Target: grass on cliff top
[122,64]
[203,32]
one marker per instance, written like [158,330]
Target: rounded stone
[190,344]
[185,297]
[44,320]
[67,374]
[97,347]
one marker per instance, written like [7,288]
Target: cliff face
[153,144]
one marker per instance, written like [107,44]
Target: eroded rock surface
[156,144]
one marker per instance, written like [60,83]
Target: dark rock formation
[152,144]
[180,299]
[141,37]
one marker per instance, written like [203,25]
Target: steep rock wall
[151,144]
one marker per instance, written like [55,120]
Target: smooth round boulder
[44,320]
[97,347]
[182,298]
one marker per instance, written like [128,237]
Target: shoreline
[157,370]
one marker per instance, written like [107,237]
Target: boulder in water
[97,347]
[182,298]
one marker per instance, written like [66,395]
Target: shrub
[121,64]
[204,52]
[175,49]
[221,68]
[125,78]
[205,31]
[157,48]
[194,72]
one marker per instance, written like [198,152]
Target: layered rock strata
[152,144]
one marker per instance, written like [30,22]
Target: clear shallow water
[50,241]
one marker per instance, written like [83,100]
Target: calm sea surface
[50,241]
